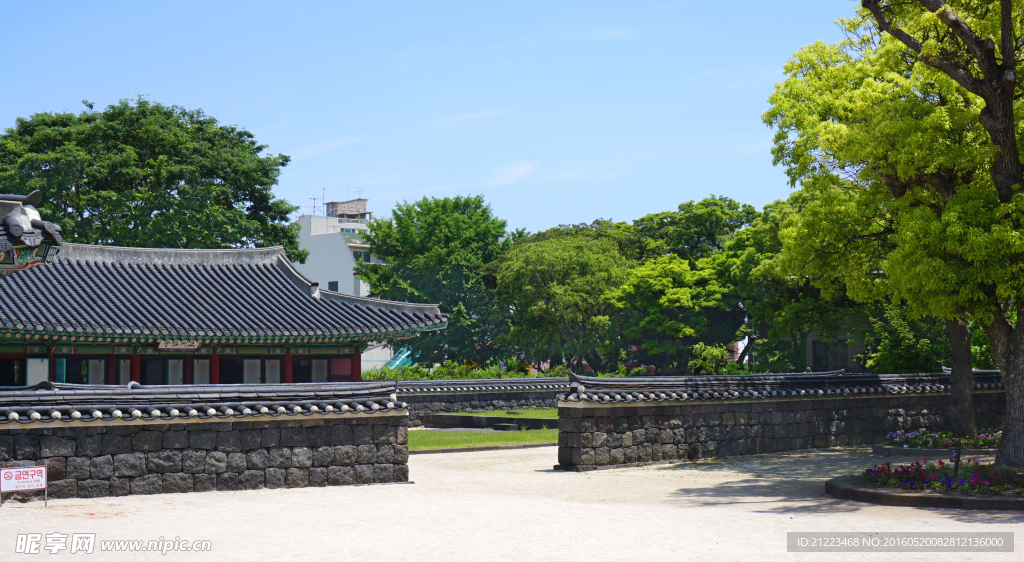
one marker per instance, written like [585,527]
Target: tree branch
[961,75]
[996,87]
[943,184]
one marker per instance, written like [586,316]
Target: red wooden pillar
[186,364]
[214,368]
[357,367]
[52,364]
[111,369]
[286,371]
[136,371]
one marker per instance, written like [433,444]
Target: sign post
[23,479]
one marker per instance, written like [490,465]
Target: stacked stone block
[599,436]
[118,460]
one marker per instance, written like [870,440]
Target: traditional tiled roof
[787,385]
[59,402]
[239,296]
[550,384]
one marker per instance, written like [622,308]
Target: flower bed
[974,478]
[943,440]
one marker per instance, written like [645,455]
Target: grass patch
[426,439]
[550,413]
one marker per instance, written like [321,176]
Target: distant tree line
[671,290]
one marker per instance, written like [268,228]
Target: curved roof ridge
[366,301]
[124,255]
[380,303]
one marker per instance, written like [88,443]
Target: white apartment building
[336,242]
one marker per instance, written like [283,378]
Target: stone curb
[931,453]
[476,449]
[842,488]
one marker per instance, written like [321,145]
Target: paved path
[510,505]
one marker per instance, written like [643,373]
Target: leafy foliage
[146,174]
[553,290]
[708,359]
[907,345]
[668,308]
[435,250]
[696,230]
[890,133]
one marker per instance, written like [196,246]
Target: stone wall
[119,459]
[420,404]
[595,436]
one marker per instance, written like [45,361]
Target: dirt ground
[511,505]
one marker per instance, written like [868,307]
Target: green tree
[680,255]
[669,307]
[623,234]
[146,174]
[696,230]
[434,252]
[712,360]
[907,345]
[553,290]
[883,130]
[782,309]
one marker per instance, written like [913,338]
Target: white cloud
[508,175]
[324,147]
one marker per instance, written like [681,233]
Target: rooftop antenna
[314,204]
[360,192]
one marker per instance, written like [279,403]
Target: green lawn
[551,413]
[426,439]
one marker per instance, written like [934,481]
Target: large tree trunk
[961,408]
[1007,344]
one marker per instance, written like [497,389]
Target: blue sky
[556,112]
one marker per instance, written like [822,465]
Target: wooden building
[107,315]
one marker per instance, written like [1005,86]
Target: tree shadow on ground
[794,482]
[767,495]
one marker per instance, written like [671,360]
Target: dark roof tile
[648,389]
[182,293]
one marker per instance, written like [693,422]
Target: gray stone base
[121,460]
[616,436]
